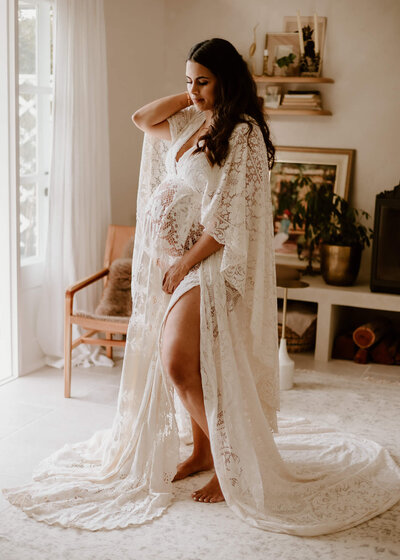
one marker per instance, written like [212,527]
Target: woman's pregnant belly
[174,214]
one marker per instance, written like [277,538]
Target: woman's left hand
[174,276]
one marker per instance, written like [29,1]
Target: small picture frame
[283,54]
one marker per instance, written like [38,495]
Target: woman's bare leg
[201,457]
[180,354]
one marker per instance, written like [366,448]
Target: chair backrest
[118,238]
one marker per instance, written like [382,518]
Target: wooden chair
[117,239]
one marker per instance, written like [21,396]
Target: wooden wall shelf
[291,80]
[286,81]
[297,112]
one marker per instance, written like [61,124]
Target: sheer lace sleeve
[179,121]
[152,171]
[234,207]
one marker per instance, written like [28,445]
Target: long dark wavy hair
[236,97]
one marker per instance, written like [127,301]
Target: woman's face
[201,85]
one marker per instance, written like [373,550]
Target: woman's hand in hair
[152,118]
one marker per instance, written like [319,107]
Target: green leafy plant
[286,60]
[328,218]
[346,226]
[323,215]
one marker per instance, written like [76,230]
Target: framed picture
[290,26]
[294,167]
[283,54]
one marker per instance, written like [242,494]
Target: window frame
[9,172]
[32,267]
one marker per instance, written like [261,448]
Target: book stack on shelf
[297,99]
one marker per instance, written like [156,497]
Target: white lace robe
[319,481]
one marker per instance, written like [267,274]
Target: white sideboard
[330,300]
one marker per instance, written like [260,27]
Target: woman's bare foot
[193,465]
[210,493]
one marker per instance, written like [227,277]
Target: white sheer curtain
[80,178]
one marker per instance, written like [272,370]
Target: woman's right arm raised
[152,118]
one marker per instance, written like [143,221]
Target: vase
[290,70]
[310,65]
[340,264]
[280,71]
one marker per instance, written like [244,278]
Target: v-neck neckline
[177,162]
[186,138]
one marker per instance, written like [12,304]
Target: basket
[296,343]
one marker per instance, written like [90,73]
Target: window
[35,54]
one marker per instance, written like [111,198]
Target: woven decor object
[296,343]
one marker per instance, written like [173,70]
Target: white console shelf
[330,299]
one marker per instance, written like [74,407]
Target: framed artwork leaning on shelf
[290,24]
[295,170]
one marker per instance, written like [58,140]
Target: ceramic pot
[339,264]
[280,71]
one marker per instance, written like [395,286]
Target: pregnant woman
[204,328]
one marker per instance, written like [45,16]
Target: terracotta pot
[339,264]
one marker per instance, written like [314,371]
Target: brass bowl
[340,265]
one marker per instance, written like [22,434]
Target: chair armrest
[86,282]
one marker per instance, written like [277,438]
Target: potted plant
[343,239]
[285,64]
[331,224]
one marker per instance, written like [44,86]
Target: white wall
[31,354]
[362,54]
[135,57]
